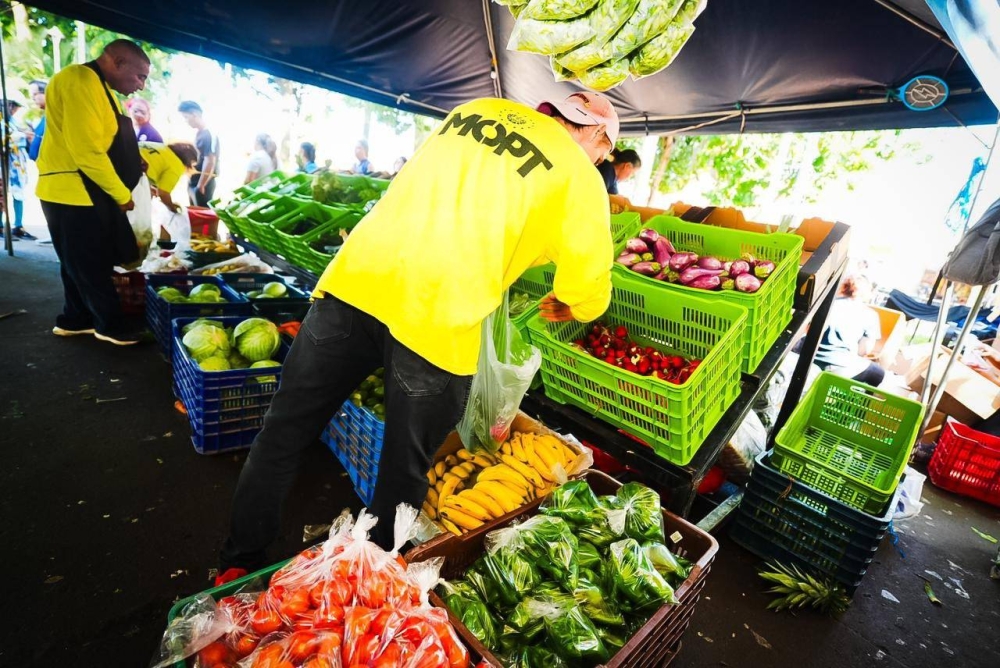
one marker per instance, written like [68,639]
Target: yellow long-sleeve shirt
[79,128]
[164,168]
[497,189]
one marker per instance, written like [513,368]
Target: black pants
[81,240]
[197,199]
[873,375]
[337,348]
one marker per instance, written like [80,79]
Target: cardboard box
[968,396]
[934,427]
[824,249]
[893,329]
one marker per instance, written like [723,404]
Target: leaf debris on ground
[984,536]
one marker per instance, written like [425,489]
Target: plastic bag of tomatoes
[343,604]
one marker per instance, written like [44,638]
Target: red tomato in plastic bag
[328,617]
[378,624]
[365,649]
[295,603]
[330,642]
[458,656]
[245,644]
[391,657]
[431,656]
[216,654]
[414,631]
[302,645]
[272,656]
[320,662]
[264,621]
[337,592]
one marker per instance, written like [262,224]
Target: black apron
[124,156]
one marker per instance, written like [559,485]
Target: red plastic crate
[131,288]
[967,462]
[204,221]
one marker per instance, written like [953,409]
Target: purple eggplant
[728,284]
[662,276]
[739,267]
[681,261]
[628,259]
[705,283]
[690,274]
[707,262]
[636,246]
[747,283]
[661,250]
[647,268]
[763,269]
[649,236]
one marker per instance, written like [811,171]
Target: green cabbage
[606,19]
[557,10]
[205,342]
[257,339]
[214,364]
[201,322]
[204,289]
[261,365]
[237,361]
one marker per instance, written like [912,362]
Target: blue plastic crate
[786,521]
[160,313]
[355,436]
[295,301]
[225,408]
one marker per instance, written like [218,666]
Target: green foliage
[741,169]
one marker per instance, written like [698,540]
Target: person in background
[141,114]
[398,165]
[851,332]
[17,139]
[37,91]
[620,166]
[264,158]
[306,158]
[165,165]
[537,200]
[202,186]
[362,166]
[88,166]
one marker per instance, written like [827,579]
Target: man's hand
[127,206]
[553,310]
[201,188]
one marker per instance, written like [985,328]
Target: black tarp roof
[430,55]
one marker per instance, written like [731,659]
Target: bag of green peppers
[546,541]
[638,585]
[509,576]
[466,604]
[524,621]
[643,514]
[573,501]
[675,569]
[588,556]
[532,657]
[607,526]
[570,633]
[595,604]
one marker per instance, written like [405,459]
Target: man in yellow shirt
[499,188]
[87,169]
[165,165]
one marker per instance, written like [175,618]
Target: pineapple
[799,590]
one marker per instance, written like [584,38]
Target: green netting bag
[605,77]
[507,365]
[606,19]
[658,53]
[557,10]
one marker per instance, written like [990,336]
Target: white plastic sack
[177,225]
[909,504]
[248,263]
[141,217]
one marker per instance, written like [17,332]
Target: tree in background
[745,170]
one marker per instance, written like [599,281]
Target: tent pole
[986,171]
[494,63]
[925,393]
[910,18]
[8,236]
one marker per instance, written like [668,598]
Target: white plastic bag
[141,217]
[507,363]
[909,504]
[177,225]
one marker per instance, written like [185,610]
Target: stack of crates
[824,498]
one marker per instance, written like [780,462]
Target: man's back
[207,144]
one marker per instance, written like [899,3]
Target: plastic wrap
[675,569]
[197,626]
[596,603]
[658,53]
[737,458]
[247,263]
[569,632]
[141,217]
[588,556]
[556,10]
[643,513]
[637,583]
[574,502]
[606,19]
[559,72]
[605,77]
[506,366]
[552,37]
[466,604]
[548,542]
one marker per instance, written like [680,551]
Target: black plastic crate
[294,301]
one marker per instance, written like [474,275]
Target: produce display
[569,586]
[345,603]
[371,394]
[467,490]
[291,328]
[331,188]
[602,42]
[301,226]
[272,290]
[652,254]
[613,346]
[205,293]
[203,244]
[251,344]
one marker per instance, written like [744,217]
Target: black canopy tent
[762,66]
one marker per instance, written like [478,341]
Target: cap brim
[572,112]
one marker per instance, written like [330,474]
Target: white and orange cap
[586,109]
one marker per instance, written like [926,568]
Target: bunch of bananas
[233,268]
[201,244]
[468,490]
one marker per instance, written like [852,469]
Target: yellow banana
[450,460]
[459,518]
[458,471]
[429,510]
[525,494]
[483,499]
[440,468]
[469,467]
[503,473]
[517,447]
[431,477]
[547,454]
[505,449]
[438,485]
[447,489]
[507,499]
[432,497]
[536,462]
[464,455]
[529,473]
[483,461]
[450,527]
[467,506]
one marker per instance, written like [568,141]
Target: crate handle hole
[868,393]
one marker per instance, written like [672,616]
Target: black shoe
[21,233]
[118,338]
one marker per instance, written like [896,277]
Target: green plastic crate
[264,184]
[298,185]
[850,441]
[317,212]
[298,250]
[234,213]
[535,282]
[353,181]
[769,310]
[625,226]
[261,221]
[673,419]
